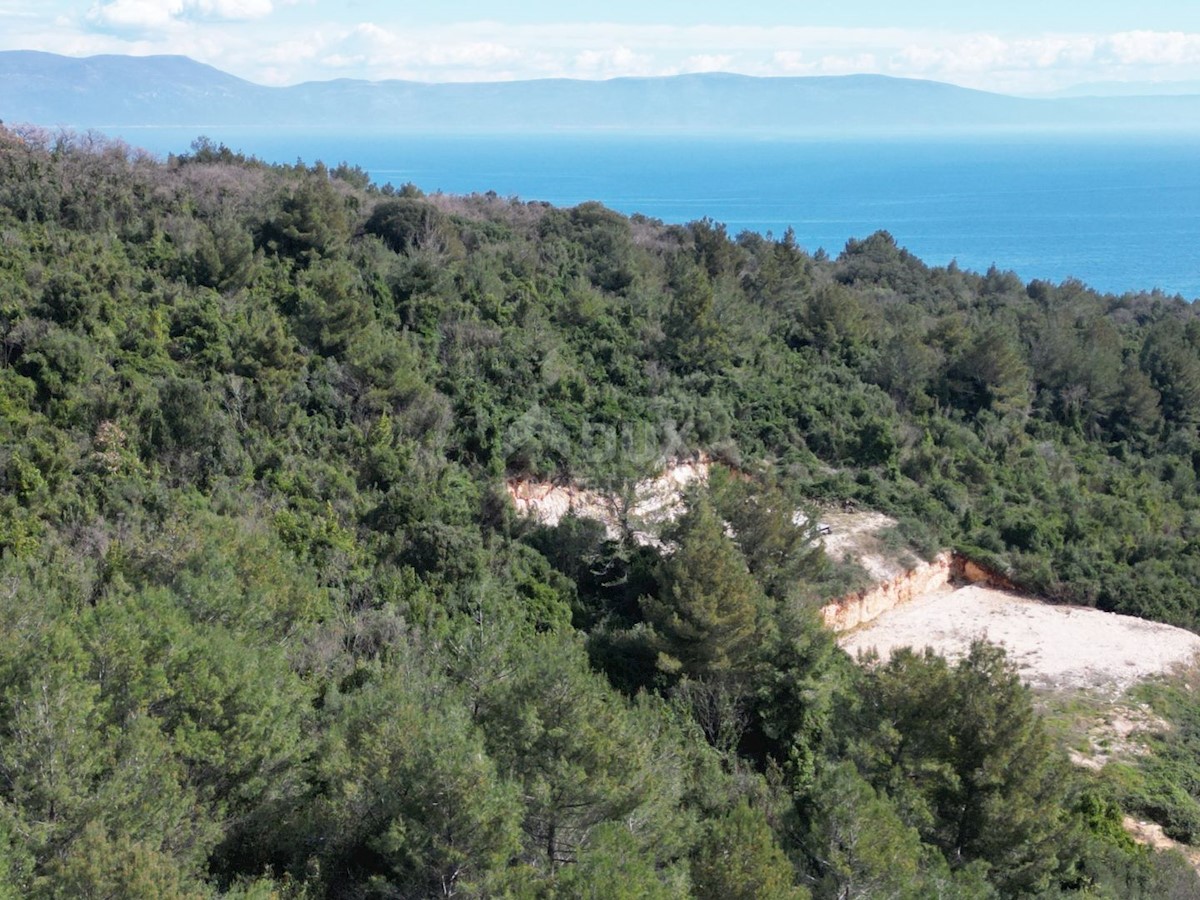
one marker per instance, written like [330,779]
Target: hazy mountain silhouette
[123,91]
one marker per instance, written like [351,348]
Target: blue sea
[1120,214]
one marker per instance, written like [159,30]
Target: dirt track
[1054,646]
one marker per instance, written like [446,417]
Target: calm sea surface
[1119,214]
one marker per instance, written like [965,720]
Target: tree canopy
[269,625]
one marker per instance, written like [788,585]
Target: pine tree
[964,755]
[705,619]
[740,859]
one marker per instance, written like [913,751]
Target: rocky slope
[944,603]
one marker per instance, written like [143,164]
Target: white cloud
[151,15]
[299,51]
[21,10]
[295,45]
[1154,48]
[230,10]
[791,62]
[849,65]
[708,62]
[493,51]
[612,62]
[371,51]
[1045,62]
[135,14]
[477,54]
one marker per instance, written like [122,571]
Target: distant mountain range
[1128,89]
[124,91]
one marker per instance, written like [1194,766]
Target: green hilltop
[270,626]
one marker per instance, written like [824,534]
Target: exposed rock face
[654,501]
[549,503]
[940,574]
[1151,834]
[856,609]
[973,573]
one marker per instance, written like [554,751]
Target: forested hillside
[269,625]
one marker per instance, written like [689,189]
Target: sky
[1014,46]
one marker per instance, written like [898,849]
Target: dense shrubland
[270,628]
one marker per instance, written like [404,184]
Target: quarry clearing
[855,537]
[1054,647]
[1080,662]
[914,604]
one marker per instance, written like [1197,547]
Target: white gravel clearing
[855,535]
[1058,647]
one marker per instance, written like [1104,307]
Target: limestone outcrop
[863,606]
[651,504]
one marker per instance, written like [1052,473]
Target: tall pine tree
[706,617]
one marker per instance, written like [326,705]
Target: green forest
[271,627]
